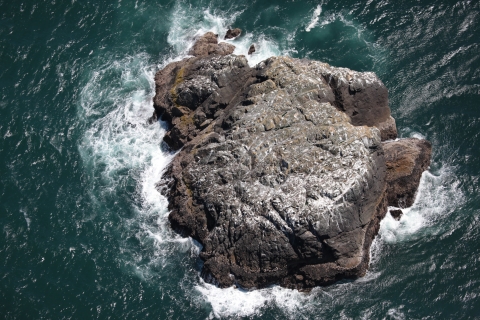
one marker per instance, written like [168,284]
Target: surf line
[316,15]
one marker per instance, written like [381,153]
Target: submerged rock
[281,172]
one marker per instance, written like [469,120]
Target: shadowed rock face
[406,160]
[281,173]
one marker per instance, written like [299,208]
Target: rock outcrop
[282,175]
[406,160]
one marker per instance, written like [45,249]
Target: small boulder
[396,214]
[232,33]
[251,49]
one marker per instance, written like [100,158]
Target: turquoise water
[84,233]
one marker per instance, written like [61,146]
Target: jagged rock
[251,49]
[396,214]
[232,33]
[281,174]
[406,160]
[208,44]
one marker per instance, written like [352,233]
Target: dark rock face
[251,49]
[406,160]
[281,174]
[232,33]
[396,214]
[208,44]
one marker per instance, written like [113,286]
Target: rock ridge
[284,170]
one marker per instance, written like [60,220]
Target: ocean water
[84,233]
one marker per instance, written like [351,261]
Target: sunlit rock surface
[281,171]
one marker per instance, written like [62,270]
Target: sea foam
[188,25]
[314,21]
[438,195]
[241,303]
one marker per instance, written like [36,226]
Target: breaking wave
[314,21]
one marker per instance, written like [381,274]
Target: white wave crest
[314,21]
[264,48]
[240,303]
[119,137]
[437,196]
[122,153]
[187,25]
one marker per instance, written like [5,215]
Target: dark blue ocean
[83,231]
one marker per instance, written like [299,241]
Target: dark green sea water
[84,233]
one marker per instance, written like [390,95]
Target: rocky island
[284,170]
